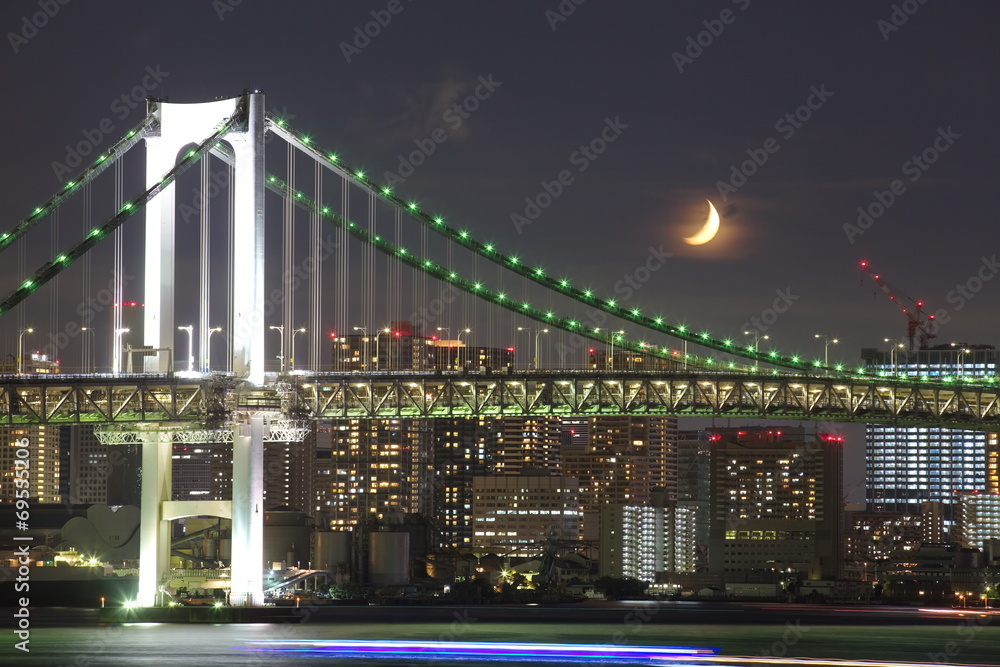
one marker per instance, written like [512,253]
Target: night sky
[788,116]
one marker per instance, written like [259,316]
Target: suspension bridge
[406,259]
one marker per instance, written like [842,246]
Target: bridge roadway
[217,399]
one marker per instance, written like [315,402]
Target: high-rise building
[775,504]
[527,444]
[623,461]
[521,511]
[907,465]
[641,541]
[463,450]
[377,467]
[979,519]
[41,443]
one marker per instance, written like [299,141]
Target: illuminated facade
[907,465]
[377,467]
[775,504]
[42,443]
[518,512]
[623,461]
[979,518]
[462,451]
[641,541]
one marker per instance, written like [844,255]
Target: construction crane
[918,320]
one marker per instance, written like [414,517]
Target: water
[970,639]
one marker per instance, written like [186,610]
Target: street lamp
[20,349]
[189,328]
[826,347]
[118,346]
[280,328]
[894,344]
[364,343]
[529,342]
[611,340]
[378,357]
[537,334]
[84,350]
[959,368]
[756,341]
[458,354]
[291,357]
[208,347]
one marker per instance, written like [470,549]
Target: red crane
[918,320]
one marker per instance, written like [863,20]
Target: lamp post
[458,354]
[378,357]
[291,357]
[280,328]
[959,368]
[535,358]
[445,329]
[20,349]
[118,346]
[611,340]
[208,347]
[190,329]
[756,341]
[364,342]
[826,347]
[527,329]
[84,350]
[894,344]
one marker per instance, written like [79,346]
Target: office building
[979,519]
[907,465]
[517,513]
[775,504]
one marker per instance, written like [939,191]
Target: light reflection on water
[211,645]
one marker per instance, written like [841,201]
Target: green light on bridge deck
[61,258]
[298,195]
[350,224]
[428,263]
[27,284]
[71,184]
[611,302]
[132,132]
[439,221]
[272,179]
[477,286]
[795,360]
[501,296]
[732,365]
[189,154]
[514,260]
[387,191]
[305,140]
[681,328]
[326,209]
[658,321]
[635,312]
[488,247]
[464,234]
[525,306]
[750,348]
[727,343]
[839,367]
[333,157]
[402,251]
[549,315]
[38,210]
[412,206]
[360,174]
[102,158]
[539,272]
[279,122]
[453,275]
[817,363]
[563,283]
[773,354]
[588,294]
[704,335]
[378,238]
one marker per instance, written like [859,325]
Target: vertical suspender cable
[54,294]
[314,335]
[344,275]
[204,312]
[87,314]
[117,280]
[230,223]
[287,265]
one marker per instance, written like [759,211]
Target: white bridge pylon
[179,126]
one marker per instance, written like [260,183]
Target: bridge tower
[181,125]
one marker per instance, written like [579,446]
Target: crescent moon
[709,230]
